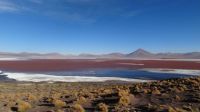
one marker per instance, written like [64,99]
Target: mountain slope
[138,54]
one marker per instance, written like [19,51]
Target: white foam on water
[12,59]
[52,78]
[175,71]
[131,64]
[193,60]
[6,59]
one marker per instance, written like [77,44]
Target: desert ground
[174,95]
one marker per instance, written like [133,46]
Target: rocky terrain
[173,95]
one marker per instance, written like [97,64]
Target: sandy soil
[76,64]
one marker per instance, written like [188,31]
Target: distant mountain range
[138,54]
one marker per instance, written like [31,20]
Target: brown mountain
[141,53]
[138,54]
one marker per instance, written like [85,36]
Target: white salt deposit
[11,59]
[132,64]
[175,71]
[34,77]
[52,78]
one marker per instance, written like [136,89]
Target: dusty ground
[175,95]
[70,64]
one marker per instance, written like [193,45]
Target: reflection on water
[92,75]
[122,73]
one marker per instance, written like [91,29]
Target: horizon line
[90,53]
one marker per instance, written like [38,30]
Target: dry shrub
[156,92]
[90,95]
[188,108]
[122,93]
[165,95]
[194,82]
[176,90]
[146,91]
[81,100]
[171,109]
[184,87]
[124,100]
[23,106]
[1,96]
[75,93]
[78,108]
[180,110]
[107,91]
[181,89]
[59,104]
[177,98]
[103,107]
[160,107]
[65,92]
[51,100]
[56,95]
[32,98]
[59,110]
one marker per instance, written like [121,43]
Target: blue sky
[99,26]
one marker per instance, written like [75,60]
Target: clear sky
[99,26]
